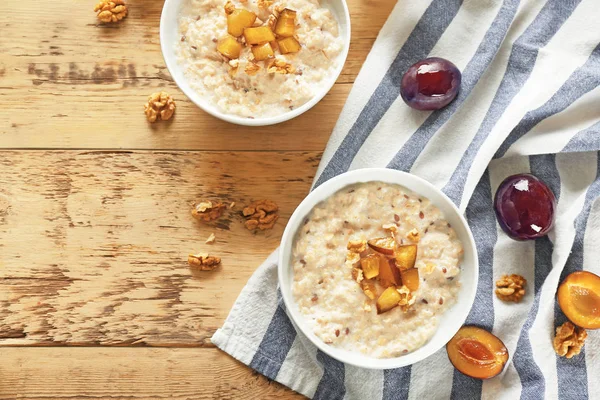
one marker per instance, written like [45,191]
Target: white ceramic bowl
[169,36]
[453,318]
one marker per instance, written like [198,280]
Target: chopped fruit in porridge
[368,277]
[284,50]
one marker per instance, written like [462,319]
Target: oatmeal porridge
[375,267]
[258,58]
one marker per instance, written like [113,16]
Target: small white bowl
[450,321]
[169,36]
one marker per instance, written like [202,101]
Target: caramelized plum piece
[263,52]
[239,20]
[229,47]
[388,300]
[410,279]
[477,353]
[430,84]
[258,35]
[370,266]
[524,207]
[389,275]
[286,23]
[288,45]
[406,256]
[383,245]
[579,299]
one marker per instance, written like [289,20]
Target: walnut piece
[159,104]
[279,66]
[357,275]
[511,288]
[413,235]
[229,8]
[211,239]
[264,3]
[252,69]
[357,246]
[569,340]
[111,10]
[261,214]
[208,210]
[406,298]
[203,262]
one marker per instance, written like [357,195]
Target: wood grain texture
[85,83]
[130,373]
[94,245]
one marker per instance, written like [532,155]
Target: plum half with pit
[430,84]
[525,207]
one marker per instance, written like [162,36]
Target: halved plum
[477,353]
[579,299]
[383,245]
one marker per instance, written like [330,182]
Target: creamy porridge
[335,303]
[291,70]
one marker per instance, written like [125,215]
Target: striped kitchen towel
[529,102]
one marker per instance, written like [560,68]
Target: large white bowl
[169,36]
[450,322]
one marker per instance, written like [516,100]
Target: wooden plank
[86,83]
[94,245]
[130,373]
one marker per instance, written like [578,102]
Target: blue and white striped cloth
[529,102]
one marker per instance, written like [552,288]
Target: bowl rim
[326,190]
[211,109]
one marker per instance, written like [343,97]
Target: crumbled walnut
[271,22]
[357,246]
[369,289]
[366,306]
[406,298]
[211,239]
[111,10]
[208,210]
[252,69]
[264,3]
[159,104]
[352,258]
[393,228]
[261,215]
[357,275]
[413,235]
[569,340]
[233,67]
[511,288]
[279,66]
[204,262]
[229,8]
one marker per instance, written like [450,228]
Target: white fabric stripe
[447,146]
[510,257]
[299,370]
[577,172]
[370,387]
[389,41]
[553,134]
[432,376]
[401,122]
[551,62]
[591,262]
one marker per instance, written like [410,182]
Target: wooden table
[96,298]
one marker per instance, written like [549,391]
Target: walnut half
[159,105]
[207,210]
[111,10]
[261,214]
[569,340]
[511,288]
[203,262]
